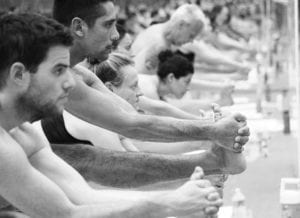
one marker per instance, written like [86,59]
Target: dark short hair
[213,14]
[27,38]
[88,10]
[170,62]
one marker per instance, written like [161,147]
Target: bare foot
[230,162]
[231,132]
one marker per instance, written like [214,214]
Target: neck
[167,32]
[10,117]
[76,54]
[162,89]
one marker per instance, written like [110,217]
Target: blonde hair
[109,70]
[188,13]
[185,14]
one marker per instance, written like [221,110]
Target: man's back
[146,48]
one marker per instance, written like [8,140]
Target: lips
[65,96]
[109,49]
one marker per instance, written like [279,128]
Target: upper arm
[102,109]
[65,176]
[90,78]
[25,187]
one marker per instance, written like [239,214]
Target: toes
[211,210]
[238,147]
[244,131]
[241,140]
[197,174]
[240,117]
[213,196]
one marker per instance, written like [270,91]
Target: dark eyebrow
[111,20]
[61,65]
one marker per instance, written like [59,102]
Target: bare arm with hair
[38,196]
[206,85]
[103,203]
[106,113]
[228,42]
[211,55]
[164,109]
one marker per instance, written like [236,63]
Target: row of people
[37,53]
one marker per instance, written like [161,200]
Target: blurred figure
[184,25]
[174,79]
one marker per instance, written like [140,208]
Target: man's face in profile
[101,36]
[49,86]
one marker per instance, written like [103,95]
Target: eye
[60,70]
[109,24]
[134,86]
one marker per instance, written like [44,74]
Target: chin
[55,111]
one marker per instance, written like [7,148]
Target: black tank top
[56,132]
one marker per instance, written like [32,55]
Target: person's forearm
[127,169]
[161,108]
[231,43]
[167,129]
[172,148]
[206,85]
[209,69]
[137,209]
[124,203]
[192,105]
[213,56]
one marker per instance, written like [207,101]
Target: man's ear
[19,75]
[170,77]
[182,23]
[78,27]
[109,86]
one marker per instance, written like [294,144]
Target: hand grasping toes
[232,132]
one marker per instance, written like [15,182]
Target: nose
[69,82]
[139,93]
[114,34]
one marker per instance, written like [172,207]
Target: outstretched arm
[106,203]
[20,182]
[106,113]
[206,85]
[164,109]
[37,196]
[228,42]
[212,56]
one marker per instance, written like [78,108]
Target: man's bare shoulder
[147,38]
[29,138]
[10,149]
